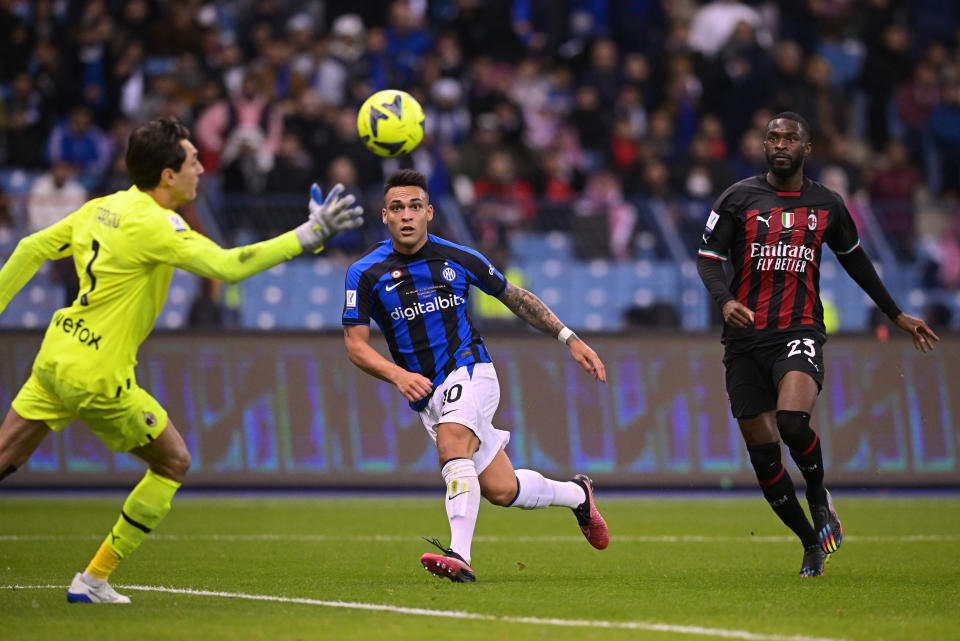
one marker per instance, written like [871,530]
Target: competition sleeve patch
[712,221]
[351,299]
[177,223]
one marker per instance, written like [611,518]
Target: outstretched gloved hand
[327,218]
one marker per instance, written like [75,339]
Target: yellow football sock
[104,562]
[143,510]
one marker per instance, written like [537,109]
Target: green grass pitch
[348,568]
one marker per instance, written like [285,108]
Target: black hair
[153,147]
[805,130]
[406,178]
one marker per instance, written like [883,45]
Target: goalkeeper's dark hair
[406,178]
[805,130]
[153,147]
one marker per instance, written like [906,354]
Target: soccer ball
[390,123]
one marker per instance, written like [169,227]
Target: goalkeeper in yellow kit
[125,247]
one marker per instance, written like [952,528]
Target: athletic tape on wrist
[565,335]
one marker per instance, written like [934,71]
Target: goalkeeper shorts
[469,396]
[123,422]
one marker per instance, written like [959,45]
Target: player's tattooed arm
[531,309]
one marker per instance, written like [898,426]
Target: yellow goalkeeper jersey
[125,247]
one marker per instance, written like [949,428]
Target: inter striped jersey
[773,240]
[420,302]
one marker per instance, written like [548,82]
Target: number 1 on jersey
[93,279]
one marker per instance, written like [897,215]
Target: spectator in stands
[828,103]
[245,163]
[915,101]
[749,159]
[789,84]
[341,60]
[407,39]
[6,218]
[714,23]
[293,169]
[590,117]
[251,108]
[945,131]
[53,195]
[886,66]
[703,175]
[893,185]
[603,211]
[624,149]
[127,85]
[26,125]
[447,119]
[603,72]
[738,76]
[513,196]
[79,142]
[557,184]
[205,310]
[306,122]
[660,137]
[345,142]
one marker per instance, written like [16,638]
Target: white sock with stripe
[462,502]
[536,491]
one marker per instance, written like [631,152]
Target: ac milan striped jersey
[420,302]
[773,241]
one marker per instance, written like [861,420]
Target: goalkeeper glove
[328,217]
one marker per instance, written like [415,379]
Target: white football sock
[462,502]
[536,492]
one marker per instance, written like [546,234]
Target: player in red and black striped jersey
[771,229]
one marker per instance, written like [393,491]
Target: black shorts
[754,369]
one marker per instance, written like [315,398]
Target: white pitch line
[723,633]
[394,538]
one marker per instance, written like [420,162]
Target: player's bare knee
[182,461]
[175,465]
[499,497]
[502,495]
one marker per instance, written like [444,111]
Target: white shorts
[471,401]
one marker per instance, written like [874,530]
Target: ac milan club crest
[811,221]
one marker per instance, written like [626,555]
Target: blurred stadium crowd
[578,143]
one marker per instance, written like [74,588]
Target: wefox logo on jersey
[425,307]
[75,328]
[782,257]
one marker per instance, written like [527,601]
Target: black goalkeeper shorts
[754,369]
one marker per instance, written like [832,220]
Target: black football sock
[779,491]
[804,446]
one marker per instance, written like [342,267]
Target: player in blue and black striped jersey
[416,286]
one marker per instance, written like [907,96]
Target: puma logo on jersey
[765,221]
